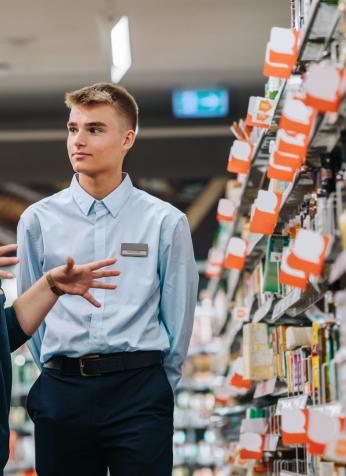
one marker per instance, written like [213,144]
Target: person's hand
[7,261]
[78,279]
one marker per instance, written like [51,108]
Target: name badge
[139,250]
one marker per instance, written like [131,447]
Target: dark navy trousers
[121,422]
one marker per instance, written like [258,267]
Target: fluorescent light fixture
[121,49]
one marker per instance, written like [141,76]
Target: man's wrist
[53,286]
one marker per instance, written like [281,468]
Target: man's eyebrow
[89,124]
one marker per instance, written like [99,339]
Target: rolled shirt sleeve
[179,286]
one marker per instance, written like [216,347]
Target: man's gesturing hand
[7,261]
[78,279]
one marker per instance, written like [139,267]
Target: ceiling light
[121,49]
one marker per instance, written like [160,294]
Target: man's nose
[80,139]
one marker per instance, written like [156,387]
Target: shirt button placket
[99,254]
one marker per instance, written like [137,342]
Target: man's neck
[101,186]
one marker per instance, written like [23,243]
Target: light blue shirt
[153,305]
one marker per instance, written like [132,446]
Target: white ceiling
[50,46]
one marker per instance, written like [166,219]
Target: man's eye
[72,130]
[94,130]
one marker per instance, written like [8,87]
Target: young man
[19,322]
[107,402]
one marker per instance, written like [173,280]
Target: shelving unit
[320,306]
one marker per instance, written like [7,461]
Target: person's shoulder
[146,202]
[46,204]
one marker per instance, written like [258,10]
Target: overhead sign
[200,103]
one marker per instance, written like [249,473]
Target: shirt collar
[113,202]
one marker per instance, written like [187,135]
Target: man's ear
[128,139]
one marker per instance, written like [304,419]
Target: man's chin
[81,169]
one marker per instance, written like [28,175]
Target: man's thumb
[69,263]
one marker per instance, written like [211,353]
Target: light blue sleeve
[179,286]
[29,270]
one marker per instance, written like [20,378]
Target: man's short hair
[106,93]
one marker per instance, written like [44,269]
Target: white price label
[266,387]
[291,402]
[284,304]
[275,257]
[263,310]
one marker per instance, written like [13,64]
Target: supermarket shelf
[257,176]
[319,31]
[293,195]
[297,302]
[212,286]
[202,427]
[206,349]
[290,473]
[264,309]
[22,390]
[258,247]
[233,280]
[272,398]
[193,465]
[325,136]
[338,268]
[201,385]
[291,306]
[27,427]
[229,411]
[324,139]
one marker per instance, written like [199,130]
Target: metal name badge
[139,250]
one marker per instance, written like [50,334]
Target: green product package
[272,263]
[251,412]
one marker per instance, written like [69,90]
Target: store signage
[200,103]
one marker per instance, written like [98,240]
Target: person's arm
[16,335]
[29,310]
[29,270]
[32,307]
[179,285]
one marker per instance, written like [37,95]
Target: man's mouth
[81,155]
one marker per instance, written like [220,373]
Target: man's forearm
[32,307]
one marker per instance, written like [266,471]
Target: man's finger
[105,274]
[5,275]
[101,264]
[101,285]
[91,299]
[8,261]
[4,250]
